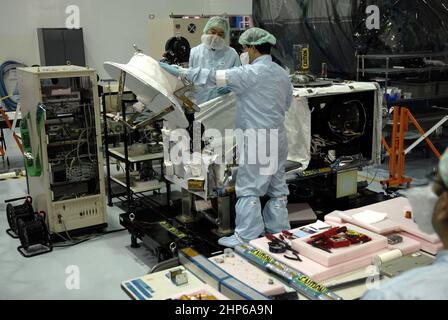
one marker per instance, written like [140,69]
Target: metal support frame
[396,151]
[426,135]
[125,140]
[106,151]
[187,205]
[3,147]
[188,105]
[47,248]
[2,137]
[128,195]
[153,118]
[11,127]
[224,223]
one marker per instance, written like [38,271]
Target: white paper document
[370,217]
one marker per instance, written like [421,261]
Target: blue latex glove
[223,90]
[173,69]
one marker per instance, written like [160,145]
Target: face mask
[213,41]
[423,201]
[244,57]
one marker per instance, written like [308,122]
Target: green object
[218,22]
[33,162]
[256,37]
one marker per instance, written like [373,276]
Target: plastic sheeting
[298,128]
[218,113]
[153,86]
[336,29]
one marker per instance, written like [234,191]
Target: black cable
[373,179]
[87,239]
[10,104]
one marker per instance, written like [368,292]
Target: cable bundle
[10,104]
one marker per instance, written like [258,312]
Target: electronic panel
[62,138]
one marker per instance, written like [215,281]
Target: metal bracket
[188,105]
[137,50]
[153,118]
[426,135]
[224,224]
[187,202]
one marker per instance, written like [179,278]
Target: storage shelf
[139,187]
[67,183]
[428,101]
[420,99]
[401,56]
[399,70]
[65,143]
[70,158]
[118,153]
[395,72]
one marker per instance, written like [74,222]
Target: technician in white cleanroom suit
[264,94]
[215,54]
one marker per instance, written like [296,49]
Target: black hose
[87,239]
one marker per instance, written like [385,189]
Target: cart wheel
[22,233]
[134,243]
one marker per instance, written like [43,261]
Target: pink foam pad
[408,246]
[431,248]
[333,217]
[394,222]
[249,274]
[341,255]
[314,270]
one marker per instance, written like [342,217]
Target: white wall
[110,26]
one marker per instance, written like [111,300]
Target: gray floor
[103,263]
[107,261]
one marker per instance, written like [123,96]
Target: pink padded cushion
[249,274]
[341,255]
[394,222]
[319,272]
[313,269]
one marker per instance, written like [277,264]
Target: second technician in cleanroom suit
[214,53]
[264,94]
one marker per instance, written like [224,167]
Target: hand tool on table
[330,233]
[289,235]
[318,240]
[286,245]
